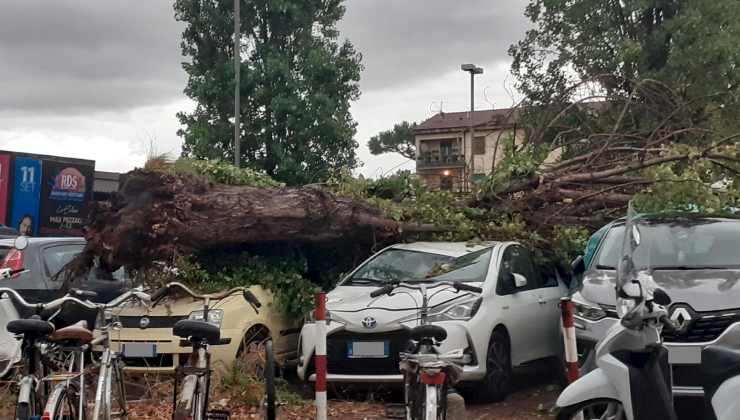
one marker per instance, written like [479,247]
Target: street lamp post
[473,70]
[237,83]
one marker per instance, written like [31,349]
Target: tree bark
[156,215]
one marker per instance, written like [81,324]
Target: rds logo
[69,185]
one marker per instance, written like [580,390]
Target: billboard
[65,193]
[4,187]
[26,195]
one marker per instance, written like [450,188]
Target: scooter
[632,380]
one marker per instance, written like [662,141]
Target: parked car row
[513,321]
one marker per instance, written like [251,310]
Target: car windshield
[681,244]
[472,267]
[396,265]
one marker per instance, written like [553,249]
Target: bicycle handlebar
[57,303]
[412,286]
[248,295]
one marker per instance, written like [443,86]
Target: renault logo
[681,316]
[369,322]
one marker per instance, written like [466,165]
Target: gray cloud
[70,56]
[404,40]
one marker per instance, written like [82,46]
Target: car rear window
[56,257]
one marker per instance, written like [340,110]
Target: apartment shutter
[479,146]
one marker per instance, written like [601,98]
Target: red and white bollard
[567,308]
[320,360]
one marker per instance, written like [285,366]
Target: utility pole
[237,83]
[473,70]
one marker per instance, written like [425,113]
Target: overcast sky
[103,80]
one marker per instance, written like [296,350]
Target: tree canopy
[297,83]
[638,98]
[399,140]
[689,45]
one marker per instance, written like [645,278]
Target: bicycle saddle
[33,325]
[428,331]
[718,364]
[77,332]
[197,330]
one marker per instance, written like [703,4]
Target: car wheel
[495,385]
[251,355]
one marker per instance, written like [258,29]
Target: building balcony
[440,161]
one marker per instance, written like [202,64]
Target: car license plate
[368,349]
[680,355]
[139,350]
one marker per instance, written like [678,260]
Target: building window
[445,183]
[479,146]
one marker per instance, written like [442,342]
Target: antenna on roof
[434,111]
[486,98]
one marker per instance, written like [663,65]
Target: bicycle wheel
[270,380]
[431,403]
[189,403]
[63,403]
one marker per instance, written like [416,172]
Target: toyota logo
[682,316]
[143,322]
[369,322]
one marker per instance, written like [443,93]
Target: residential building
[457,149]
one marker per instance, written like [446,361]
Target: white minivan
[514,321]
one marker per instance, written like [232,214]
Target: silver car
[696,261]
[514,321]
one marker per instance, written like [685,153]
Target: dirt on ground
[533,395]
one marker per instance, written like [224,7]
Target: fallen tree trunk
[157,215]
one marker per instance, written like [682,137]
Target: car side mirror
[578,265]
[519,280]
[20,243]
[513,281]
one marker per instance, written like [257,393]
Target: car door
[549,291]
[522,310]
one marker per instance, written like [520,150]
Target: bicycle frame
[193,396]
[191,402]
[427,374]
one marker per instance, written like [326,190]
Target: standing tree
[398,140]
[297,83]
[638,98]
[688,45]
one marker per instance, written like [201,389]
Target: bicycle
[111,369]
[191,402]
[428,376]
[64,350]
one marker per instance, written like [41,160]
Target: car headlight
[588,311]
[457,311]
[215,316]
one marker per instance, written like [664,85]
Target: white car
[514,321]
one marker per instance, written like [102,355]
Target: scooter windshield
[629,286]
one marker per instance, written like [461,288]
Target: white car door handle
[542,301]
